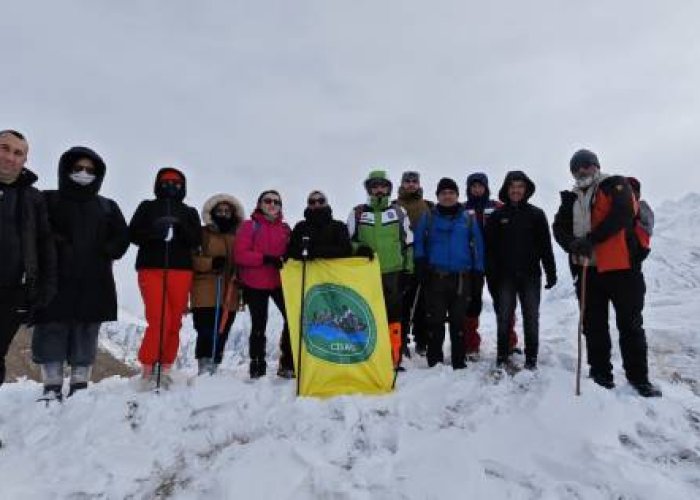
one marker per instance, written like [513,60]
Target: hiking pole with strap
[582,312]
[215,332]
[305,240]
[166,266]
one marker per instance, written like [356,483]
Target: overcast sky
[299,95]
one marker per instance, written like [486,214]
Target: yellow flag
[346,347]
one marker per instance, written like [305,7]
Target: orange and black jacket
[612,233]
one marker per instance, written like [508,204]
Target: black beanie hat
[583,158]
[446,183]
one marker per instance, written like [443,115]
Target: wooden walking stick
[581,312]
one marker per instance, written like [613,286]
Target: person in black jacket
[28,263]
[328,238]
[519,244]
[90,234]
[167,233]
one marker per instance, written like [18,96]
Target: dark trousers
[527,290]
[73,342]
[257,301]
[625,290]
[446,300]
[204,319]
[412,289]
[393,296]
[10,320]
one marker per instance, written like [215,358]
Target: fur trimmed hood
[239,213]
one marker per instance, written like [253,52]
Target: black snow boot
[258,368]
[531,364]
[647,389]
[51,393]
[604,381]
[77,386]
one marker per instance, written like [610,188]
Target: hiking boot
[421,350]
[204,366]
[647,389]
[530,364]
[258,368]
[283,372]
[604,381]
[77,386]
[51,393]
[405,351]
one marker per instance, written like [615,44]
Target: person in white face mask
[90,233]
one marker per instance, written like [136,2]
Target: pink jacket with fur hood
[257,237]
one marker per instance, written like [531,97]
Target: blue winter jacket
[451,243]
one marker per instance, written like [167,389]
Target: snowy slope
[442,434]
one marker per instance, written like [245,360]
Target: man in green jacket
[383,228]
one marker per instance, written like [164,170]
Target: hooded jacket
[257,237]
[28,262]
[328,238]
[90,233]
[187,231]
[517,237]
[481,207]
[216,243]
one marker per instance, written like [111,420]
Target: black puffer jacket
[90,233]
[518,237]
[187,232]
[28,261]
[328,238]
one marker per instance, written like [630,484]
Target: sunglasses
[316,201]
[90,169]
[272,201]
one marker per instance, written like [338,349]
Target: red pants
[178,287]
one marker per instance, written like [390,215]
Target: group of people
[58,248]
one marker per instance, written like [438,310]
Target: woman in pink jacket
[259,249]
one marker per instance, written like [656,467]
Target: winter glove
[218,263]
[581,246]
[551,281]
[161,226]
[271,260]
[365,251]
[420,269]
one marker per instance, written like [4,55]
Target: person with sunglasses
[382,228]
[260,246]
[167,232]
[328,238]
[595,226]
[410,197]
[214,296]
[28,266]
[90,234]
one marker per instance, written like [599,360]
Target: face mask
[82,178]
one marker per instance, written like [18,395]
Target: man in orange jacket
[595,225]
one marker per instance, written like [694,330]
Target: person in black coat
[328,238]
[90,234]
[28,263]
[167,232]
[519,245]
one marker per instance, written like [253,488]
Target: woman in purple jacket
[259,249]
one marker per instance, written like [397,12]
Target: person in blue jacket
[448,248]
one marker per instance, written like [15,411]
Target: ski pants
[412,289]
[10,320]
[65,341]
[526,289]
[446,300]
[164,309]
[258,301]
[625,290]
[204,319]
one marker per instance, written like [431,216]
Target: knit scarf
[585,191]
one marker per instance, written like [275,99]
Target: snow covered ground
[442,434]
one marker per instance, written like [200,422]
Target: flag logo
[339,324]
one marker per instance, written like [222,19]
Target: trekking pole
[582,312]
[166,266]
[304,257]
[215,333]
[414,306]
